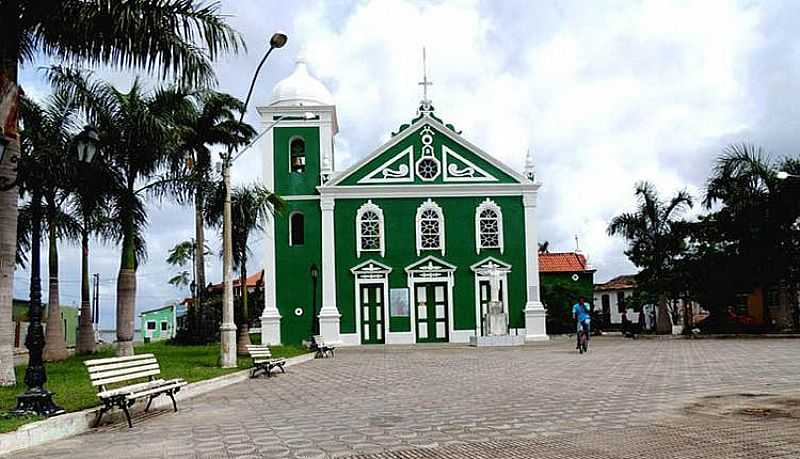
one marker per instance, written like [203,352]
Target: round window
[575,277]
[298,311]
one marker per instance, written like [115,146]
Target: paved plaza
[624,399]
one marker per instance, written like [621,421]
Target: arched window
[296,229]
[488,226]
[430,227]
[297,151]
[369,229]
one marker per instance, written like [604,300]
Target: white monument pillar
[329,314]
[535,329]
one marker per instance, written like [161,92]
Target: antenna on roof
[577,244]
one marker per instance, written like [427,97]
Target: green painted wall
[158,315]
[399,221]
[559,292]
[293,274]
[439,139]
[69,317]
[293,183]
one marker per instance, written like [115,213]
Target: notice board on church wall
[399,302]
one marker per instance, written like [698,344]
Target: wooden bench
[119,382]
[263,361]
[322,349]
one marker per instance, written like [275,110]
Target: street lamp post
[37,399]
[228,327]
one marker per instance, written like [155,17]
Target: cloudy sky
[605,94]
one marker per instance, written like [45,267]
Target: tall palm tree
[211,120]
[655,238]
[93,187]
[47,137]
[171,37]
[137,139]
[251,205]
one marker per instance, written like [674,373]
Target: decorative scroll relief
[430,268]
[395,170]
[371,269]
[459,169]
[428,167]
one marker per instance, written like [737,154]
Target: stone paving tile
[623,399]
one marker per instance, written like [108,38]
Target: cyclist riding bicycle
[580,312]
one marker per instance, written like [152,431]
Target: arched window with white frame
[369,229]
[488,226]
[430,227]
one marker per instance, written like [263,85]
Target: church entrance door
[431,303]
[372,320]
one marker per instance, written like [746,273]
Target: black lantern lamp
[314,315]
[86,144]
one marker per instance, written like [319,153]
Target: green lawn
[70,382]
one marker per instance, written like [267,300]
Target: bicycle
[583,338]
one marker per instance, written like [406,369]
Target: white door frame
[435,271]
[478,268]
[371,272]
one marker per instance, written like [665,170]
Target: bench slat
[127,377]
[117,359]
[115,366]
[123,371]
[132,388]
[156,390]
[275,361]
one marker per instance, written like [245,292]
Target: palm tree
[137,139]
[211,120]
[172,37]
[47,137]
[250,207]
[655,239]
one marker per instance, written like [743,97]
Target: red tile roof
[622,282]
[251,282]
[564,262]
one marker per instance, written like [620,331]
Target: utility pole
[96,315]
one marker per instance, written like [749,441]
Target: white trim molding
[366,209]
[442,190]
[488,206]
[535,328]
[403,174]
[470,173]
[423,212]
[329,314]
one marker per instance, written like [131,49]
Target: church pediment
[427,153]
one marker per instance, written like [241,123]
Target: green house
[161,323]
[399,247]
[565,277]
[19,315]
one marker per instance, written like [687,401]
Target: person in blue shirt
[581,313]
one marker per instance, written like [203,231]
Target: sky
[605,94]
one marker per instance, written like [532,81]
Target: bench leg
[100,414]
[124,407]
[282,370]
[174,404]
[149,402]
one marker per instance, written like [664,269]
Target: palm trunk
[663,318]
[199,326]
[126,290]
[55,348]
[86,342]
[244,326]
[9,58]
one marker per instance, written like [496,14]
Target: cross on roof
[425,83]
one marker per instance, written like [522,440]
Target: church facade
[398,248]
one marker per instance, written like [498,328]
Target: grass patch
[69,380]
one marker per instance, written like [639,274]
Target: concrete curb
[70,424]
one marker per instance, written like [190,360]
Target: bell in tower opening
[298,155]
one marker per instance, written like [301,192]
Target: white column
[270,317]
[329,314]
[535,329]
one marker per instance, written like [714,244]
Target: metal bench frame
[263,361]
[103,372]
[322,349]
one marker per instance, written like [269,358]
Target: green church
[398,248]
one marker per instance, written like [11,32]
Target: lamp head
[782,175]
[314,272]
[278,40]
[86,143]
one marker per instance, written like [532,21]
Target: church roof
[300,88]
[563,262]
